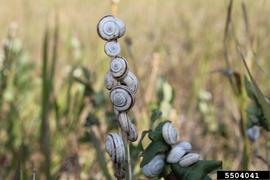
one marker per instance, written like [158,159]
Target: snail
[119,68]
[178,151]
[132,134]
[109,81]
[253,133]
[189,159]
[131,81]
[110,28]
[154,167]
[169,133]
[115,147]
[121,98]
[112,48]
[176,154]
[127,126]
[124,122]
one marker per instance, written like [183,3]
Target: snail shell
[109,81]
[112,48]
[176,154]
[110,28]
[121,98]
[169,133]
[132,134]
[154,167]
[124,122]
[185,145]
[189,159]
[131,81]
[115,147]
[253,133]
[119,68]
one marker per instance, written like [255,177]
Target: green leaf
[155,147]
[156,114]
[200,170]
[261,103]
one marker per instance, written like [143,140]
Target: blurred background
[54,108]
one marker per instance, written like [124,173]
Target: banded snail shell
[189,159]
[110,28]
[131,81]
[109,81]
[176,154]
[124,122]
[115,147]
[112,48]
[121,98]
[185,145]
[253,133]
[154,167]
[169,133]
[132,134]
[119,68]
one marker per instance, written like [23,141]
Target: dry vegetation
[179,40]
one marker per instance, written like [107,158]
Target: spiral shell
[169,133]
[154,167]
[253,133]
[119,68]
[115,147]
[112,48]
[110,28]
[189,159]
[176,154]
[132,134]
[124,122]
[131,81]
[109,81]
[185,145]
[121,98]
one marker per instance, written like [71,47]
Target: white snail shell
[189,159]
[112,48]
[185,145]
[109,81]
[253,133]
[154,167]
[132,134]
[119,68]
[131,81]
[115,147]
[124,122]
[176,154]
[121,98]
[122,27]
[110,28]
[169,133]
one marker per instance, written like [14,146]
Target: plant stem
[128,160]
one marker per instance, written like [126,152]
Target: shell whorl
[189,159]
[131,81]
[110,28]
[185,145]
[176,154]
[169,133]
[115,147]
[109,81]
[154,167]
[112,48]
[119,68]
[121,98]
[132,134]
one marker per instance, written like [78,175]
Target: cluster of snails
[122,84]
[179,153]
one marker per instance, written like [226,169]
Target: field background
[180,41]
